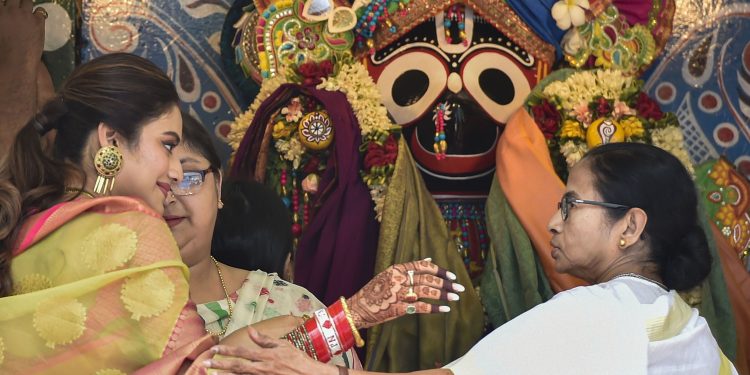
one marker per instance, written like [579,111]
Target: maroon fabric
[336,253]
[634,11]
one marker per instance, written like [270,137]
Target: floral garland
[579,110]
[379,135]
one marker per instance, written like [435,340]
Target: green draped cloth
[413,228]
[513,280]
[715,305]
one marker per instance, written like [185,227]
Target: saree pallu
[99,288]
[265,296]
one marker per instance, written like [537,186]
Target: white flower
[570,12]
[572,152]
[671,140]
[378,193]
[572,42]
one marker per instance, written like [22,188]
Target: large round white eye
[411,83]
[496,83]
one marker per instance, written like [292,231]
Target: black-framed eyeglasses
[191,182]
[568,201]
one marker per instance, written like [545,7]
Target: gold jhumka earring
[108,163]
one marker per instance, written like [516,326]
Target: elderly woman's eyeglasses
[567,202]
[191,182]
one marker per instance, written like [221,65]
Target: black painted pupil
[410,87]
[497,85]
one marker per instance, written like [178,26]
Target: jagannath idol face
[458,60]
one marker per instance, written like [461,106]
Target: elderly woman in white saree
[628,224]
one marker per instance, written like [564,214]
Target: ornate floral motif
[727,201]
[108,247]
[60,321]
[577,110]
[147,294]
[608,41]
[496,12]
[31,283]
[316,130]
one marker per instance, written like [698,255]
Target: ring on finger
[411,295]
[411,309]
[41,11]
[410,273]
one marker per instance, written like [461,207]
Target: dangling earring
[622,242]
[108,163]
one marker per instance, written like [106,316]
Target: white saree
[625,326]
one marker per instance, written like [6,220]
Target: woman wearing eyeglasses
[91,280]
[229,298]
[628,224]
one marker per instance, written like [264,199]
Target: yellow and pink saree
[99,288]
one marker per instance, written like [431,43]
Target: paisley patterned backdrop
[181,36]
[704,77]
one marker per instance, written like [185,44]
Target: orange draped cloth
[738,287]
[526,175]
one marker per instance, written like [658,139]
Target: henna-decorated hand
[394,292]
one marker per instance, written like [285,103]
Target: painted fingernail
[450,275]
[452,297]
[458,287]
[444,308]
[207,363]
[428,259]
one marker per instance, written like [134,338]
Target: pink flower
[622,109]
[582,114]
[293,111]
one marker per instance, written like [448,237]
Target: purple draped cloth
[336,253]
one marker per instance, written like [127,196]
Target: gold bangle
[357,338]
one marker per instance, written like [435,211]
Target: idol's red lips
[164,187]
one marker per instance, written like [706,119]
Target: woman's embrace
[628,224]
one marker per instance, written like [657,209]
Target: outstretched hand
[275,357]
[397,291]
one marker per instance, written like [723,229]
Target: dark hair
[253,230]
[124,91]
[196,138]
[647,177]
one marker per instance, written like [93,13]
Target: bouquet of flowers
[578,110]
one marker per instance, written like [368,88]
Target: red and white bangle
[336,311]
[328,329]
[328,333]
[317,340]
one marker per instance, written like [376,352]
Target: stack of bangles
[328,333]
